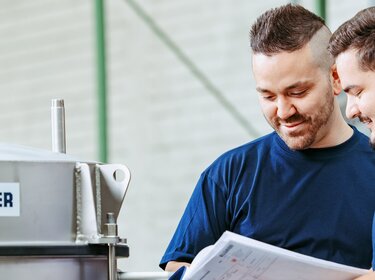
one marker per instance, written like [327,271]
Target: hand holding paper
[237,257]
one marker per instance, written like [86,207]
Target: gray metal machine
[58,213]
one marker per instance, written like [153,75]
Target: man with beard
[293,188]
[353,47]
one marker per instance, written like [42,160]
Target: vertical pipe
[58,126]
[321,8]
[111,232]
[112,263]
[101,79]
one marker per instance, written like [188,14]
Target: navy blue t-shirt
[318,202]
[373,243]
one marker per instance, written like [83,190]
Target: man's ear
[336,84]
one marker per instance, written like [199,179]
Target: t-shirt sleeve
[202,223]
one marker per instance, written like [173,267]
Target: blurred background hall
[162,86]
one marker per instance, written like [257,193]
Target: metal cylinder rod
[112,263]
[58,126]
[144,275]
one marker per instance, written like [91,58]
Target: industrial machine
[58,213]
[58,216]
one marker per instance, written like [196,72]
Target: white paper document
[235,257]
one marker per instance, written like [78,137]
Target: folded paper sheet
[237,257]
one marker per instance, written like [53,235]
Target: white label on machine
[9,199]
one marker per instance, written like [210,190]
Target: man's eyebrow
[349,88]
[292,86]
[298,84]
[262,90]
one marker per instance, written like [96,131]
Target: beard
[312,124]
[364,120]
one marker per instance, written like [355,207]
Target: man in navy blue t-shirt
[308,186]
[353,47]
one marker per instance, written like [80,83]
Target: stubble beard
[364,120]
[312,125]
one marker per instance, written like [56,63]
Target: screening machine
[58,213]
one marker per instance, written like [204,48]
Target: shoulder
[243,156]
[261,144]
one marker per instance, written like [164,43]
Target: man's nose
[285,109]
[352,110]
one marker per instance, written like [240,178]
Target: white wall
[164,124]
[46,51]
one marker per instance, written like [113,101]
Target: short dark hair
[286,28]
[358,34]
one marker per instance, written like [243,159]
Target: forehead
[280,70]
[348,57]
[348,67]
[352,77]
